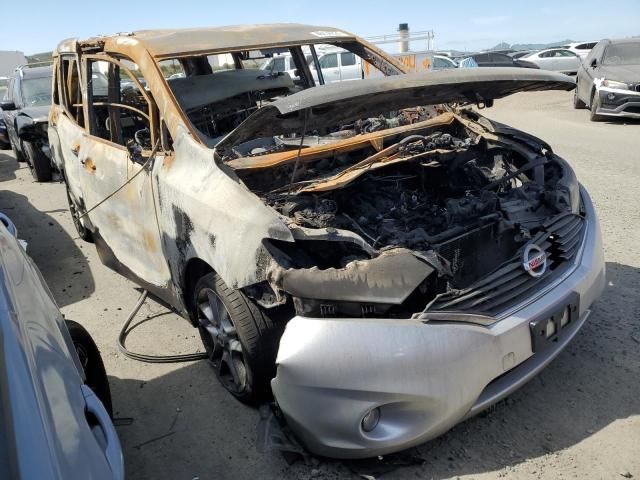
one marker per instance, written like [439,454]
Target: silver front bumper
[424,377]
[630,106]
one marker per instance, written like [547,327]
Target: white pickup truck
[336,66]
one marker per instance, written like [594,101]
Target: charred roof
[167,43]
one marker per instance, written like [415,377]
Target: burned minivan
[375,253]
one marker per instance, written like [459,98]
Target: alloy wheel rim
[221,341]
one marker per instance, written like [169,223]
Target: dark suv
[25,111]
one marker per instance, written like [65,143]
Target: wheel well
[195,269]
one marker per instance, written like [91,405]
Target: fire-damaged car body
[381,258]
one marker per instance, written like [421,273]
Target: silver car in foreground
[54,425]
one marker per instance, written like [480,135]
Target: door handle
[112,450]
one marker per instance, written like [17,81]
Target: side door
[545,59]
[500,60]
[566,61]
[350,68]
[116,156]
[66,123]
[483,60]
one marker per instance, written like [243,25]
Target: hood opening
[458,199]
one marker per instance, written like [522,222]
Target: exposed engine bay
[461,202]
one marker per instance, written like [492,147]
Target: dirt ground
[579,419]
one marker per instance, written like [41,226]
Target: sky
[35,26]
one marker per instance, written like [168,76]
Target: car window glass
[622,54]
[36,92]
[70,89]
[277,65]
[439,63]
[347,59]
[119,110]
[547,54]
[329,61]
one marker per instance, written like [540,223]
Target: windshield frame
[381,62]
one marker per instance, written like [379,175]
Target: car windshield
[622,54]
[36,92]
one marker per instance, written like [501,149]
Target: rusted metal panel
[207,213]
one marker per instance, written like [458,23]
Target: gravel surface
[579,419]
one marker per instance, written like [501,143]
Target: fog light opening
[370,420]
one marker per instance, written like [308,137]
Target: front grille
[509,284]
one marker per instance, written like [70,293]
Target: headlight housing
[567,188]
[615,84]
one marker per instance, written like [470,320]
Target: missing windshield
[219,91]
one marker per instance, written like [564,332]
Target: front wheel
[39,163]
[18,154]
[595,105]
[83,232]
[241,341]
[577,103]
[91,361]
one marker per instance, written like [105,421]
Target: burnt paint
[108,258]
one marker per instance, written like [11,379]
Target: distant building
[9,61]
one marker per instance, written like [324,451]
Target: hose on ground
[141,357]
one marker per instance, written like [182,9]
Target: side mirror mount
[7,105]
[594,63]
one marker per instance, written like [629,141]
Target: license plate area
[551,326]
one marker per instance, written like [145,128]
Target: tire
[39,163]
[91,361]
[18,154]
[83,232]
[247,337]
[577,103]
[595,104]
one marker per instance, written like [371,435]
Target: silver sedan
[555,59]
